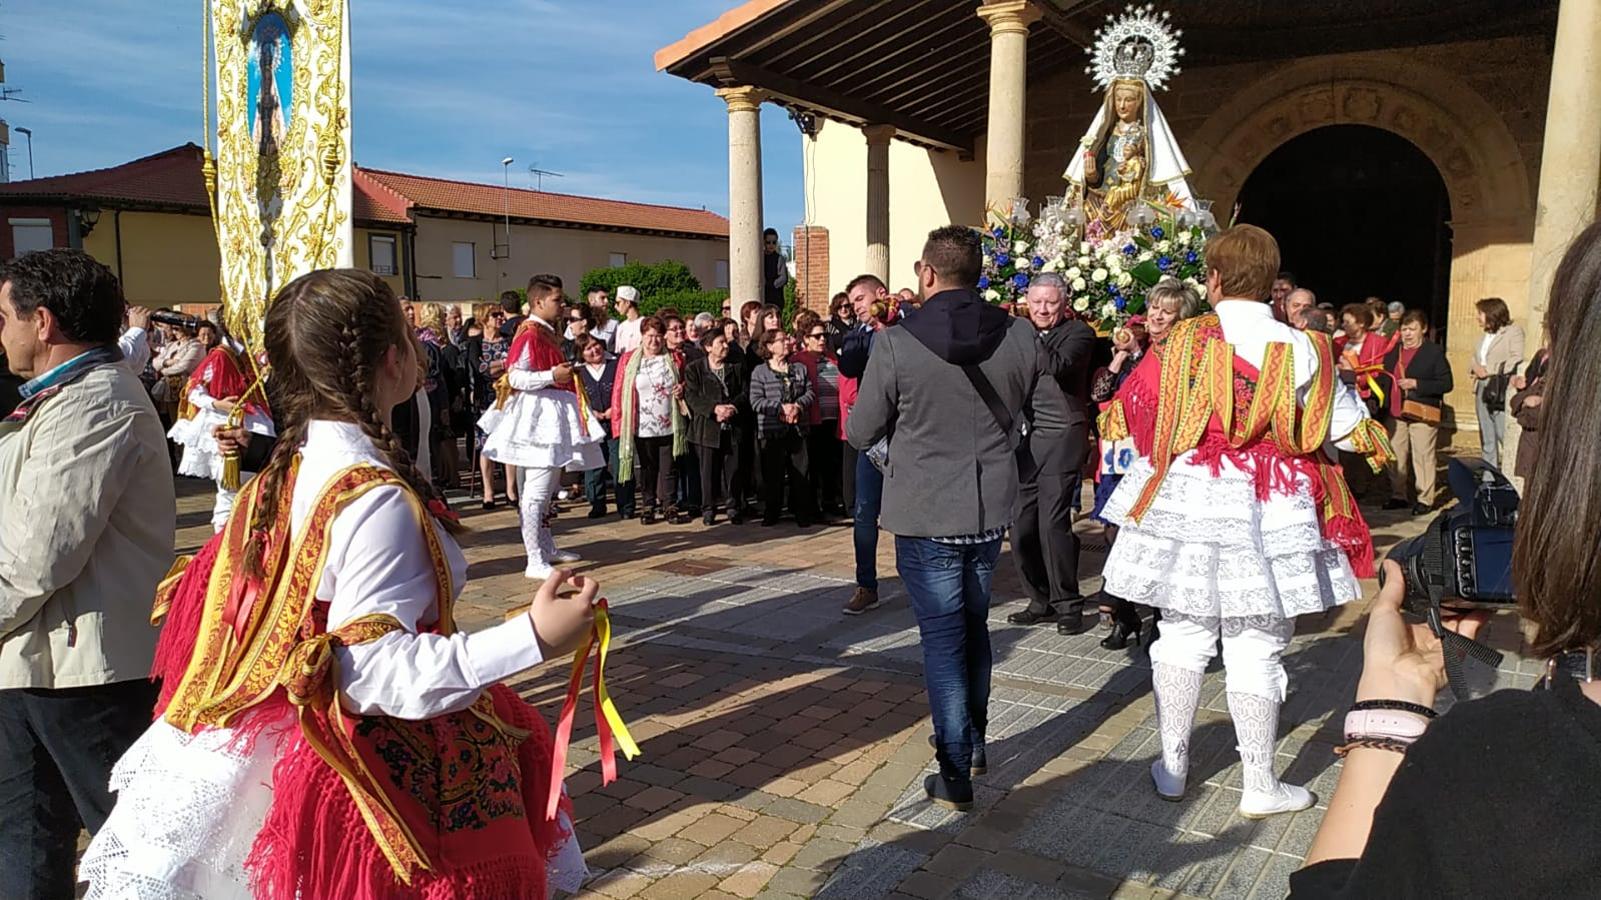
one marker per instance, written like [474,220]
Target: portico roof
[923,65]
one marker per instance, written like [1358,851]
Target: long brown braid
[326,333]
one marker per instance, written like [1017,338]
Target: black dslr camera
[1463,560]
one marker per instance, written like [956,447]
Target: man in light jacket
[86,531]
[950,483]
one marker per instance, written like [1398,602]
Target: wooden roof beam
[733,72]
[1058,14]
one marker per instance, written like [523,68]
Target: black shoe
[1075,622]
[649,518]
[1395,503]
[708,517]
[597,512]
[1029,617]
[737,517]
[1125,625]
[1419,509]
[978,766]
[676,516]
[625,514]
[951,793]
[489,504]
[768,523]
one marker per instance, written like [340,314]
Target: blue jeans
[595,481]
[869,499]
[949,589]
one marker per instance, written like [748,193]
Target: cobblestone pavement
[784,744]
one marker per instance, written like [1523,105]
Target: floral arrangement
[1009,257]
[1110,277]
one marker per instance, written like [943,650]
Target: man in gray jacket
[86,531]
[950,483]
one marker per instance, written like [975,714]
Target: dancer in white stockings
[1236,519]
[541,423]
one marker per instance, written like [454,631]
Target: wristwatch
[1384,723]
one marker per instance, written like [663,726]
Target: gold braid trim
[1373,443]
[1113,423]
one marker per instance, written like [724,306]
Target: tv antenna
[11,94]
[538,175]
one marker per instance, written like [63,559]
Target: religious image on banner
[282,169]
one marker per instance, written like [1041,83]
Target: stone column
[1570,166]
[744,192]
[878,137]
[1570,161]
[1003,151]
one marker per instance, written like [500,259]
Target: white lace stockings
[1178,693]
[1256,728]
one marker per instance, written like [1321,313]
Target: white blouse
[388,570]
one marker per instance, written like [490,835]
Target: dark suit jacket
[1058,414]
[1429,367]
[703,391]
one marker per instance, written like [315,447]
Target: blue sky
[441,88]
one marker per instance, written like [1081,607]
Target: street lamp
[28,133]
[505,193]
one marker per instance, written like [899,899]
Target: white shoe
[564,556]
[1287,799]
[1168,787]
[564,494]
[537,571]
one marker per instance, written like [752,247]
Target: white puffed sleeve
[523,378]
[378,562]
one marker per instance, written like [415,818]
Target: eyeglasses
[819,335]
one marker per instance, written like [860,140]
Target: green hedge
[666,277]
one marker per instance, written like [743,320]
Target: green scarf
[630,411]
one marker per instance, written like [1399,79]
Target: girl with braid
[541,422]
[323,730]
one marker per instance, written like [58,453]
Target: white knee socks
[1178,693]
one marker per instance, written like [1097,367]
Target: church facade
[1396,147]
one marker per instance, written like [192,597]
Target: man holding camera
[87,516]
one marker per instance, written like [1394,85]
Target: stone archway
[1491,192]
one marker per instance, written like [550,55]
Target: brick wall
[812,287]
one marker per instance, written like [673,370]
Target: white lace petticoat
[542,429]
[1209,547]
[188,810]
[201,458]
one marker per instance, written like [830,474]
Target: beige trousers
[1414,445]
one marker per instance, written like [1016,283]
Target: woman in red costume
[324,731]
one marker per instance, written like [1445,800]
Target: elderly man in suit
[1049,459]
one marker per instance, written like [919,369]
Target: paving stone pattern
[785,744]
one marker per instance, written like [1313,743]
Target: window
[464,259]
[722,274]
[618,260]
[28,235]
[381,253]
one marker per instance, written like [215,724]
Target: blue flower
[1129,250]
[1037,262]
[1121,303]
[998,232]
[983,282]
[1002,260]
[1191,257]
[1164,262]
[1157,232]
[1020,281]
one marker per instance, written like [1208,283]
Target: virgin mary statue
[1128,155]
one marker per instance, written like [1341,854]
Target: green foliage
[666,277]
[688,303]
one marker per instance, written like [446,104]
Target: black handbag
[1494,391]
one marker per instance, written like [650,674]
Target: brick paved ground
[785,744]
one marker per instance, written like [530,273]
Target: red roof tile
[443,195]
[172,179]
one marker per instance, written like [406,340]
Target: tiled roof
[443,195]
[172,179]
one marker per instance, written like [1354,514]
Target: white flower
[1108,309]
[1124,279]
[1084,261]
[1079,285]
[1145,255]
[1163,246]
[1020,247]
[1072,273]
[992,295]
[1098,276]
[1084,247]
[1023,263]
[1083,302]
[1114,264]
[988,260]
